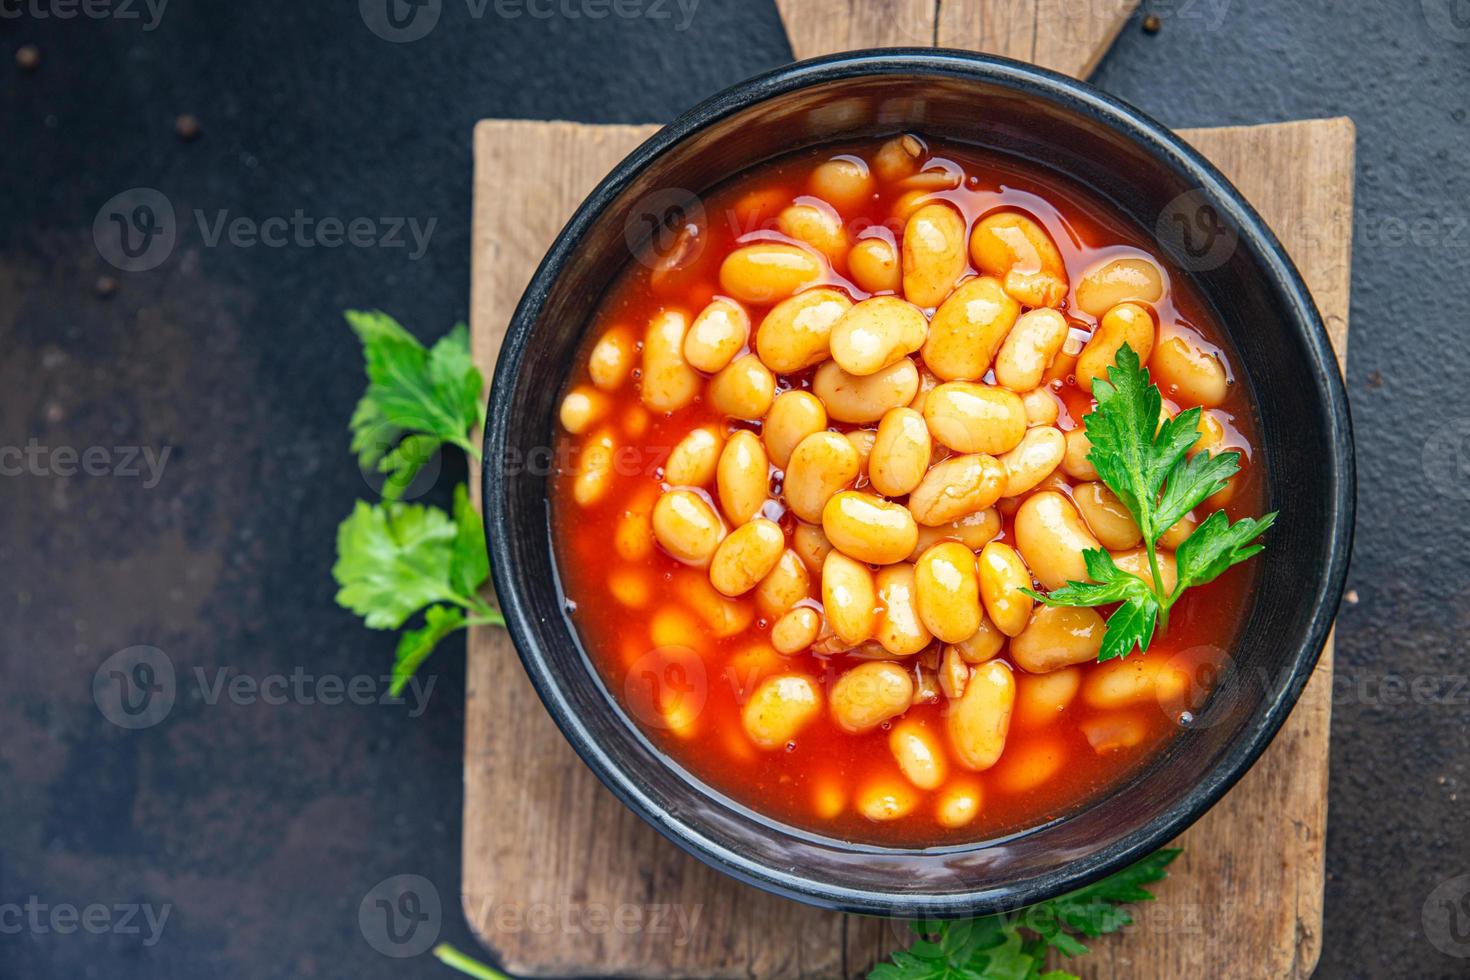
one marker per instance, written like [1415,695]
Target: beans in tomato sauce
[831,443]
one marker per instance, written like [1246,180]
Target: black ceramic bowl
[1146,173]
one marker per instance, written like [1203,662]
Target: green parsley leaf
[1014,946]
[1131,625]
[1132,453]
[392,560]
[1109,584]
[1097,909]
[431,395]
[1122,432]
[469,564]
[1013,959]
[1147,465]
[1191,482]
[414,646]
[395,559]
[1217,544]
[403,462]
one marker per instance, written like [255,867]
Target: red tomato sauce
[687,697]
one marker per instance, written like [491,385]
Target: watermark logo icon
[400,21]
[401,916]
[1194,233]
[1448,18]
[666,688]
[135,231]
[135,687]
[1205,15]
[1446,917]
[665,229]
[411,463]
[1202,687]
[1446,459]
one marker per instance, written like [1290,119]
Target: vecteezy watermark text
[402,21]
[136,688]
[138,230]
[300,687]
[34,459]
[150,12]
[674,920]
[39,918]
[301,230]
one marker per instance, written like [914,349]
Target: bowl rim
[1030,81]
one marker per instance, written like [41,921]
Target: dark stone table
[256,817]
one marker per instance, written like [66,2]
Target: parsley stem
[471,450]
[487,613]
[481,612]
[1166,602]
[1158,584]
[469,966]
[464,602]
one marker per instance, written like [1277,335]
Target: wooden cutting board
[560,879]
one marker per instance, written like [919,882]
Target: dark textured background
[263,826]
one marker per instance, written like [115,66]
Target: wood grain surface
[1069,36]
[553,863]
[552,860]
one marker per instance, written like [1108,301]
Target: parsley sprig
[1014,946]
[1008,946]
[418,398]
[396,559]
[1148,467]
